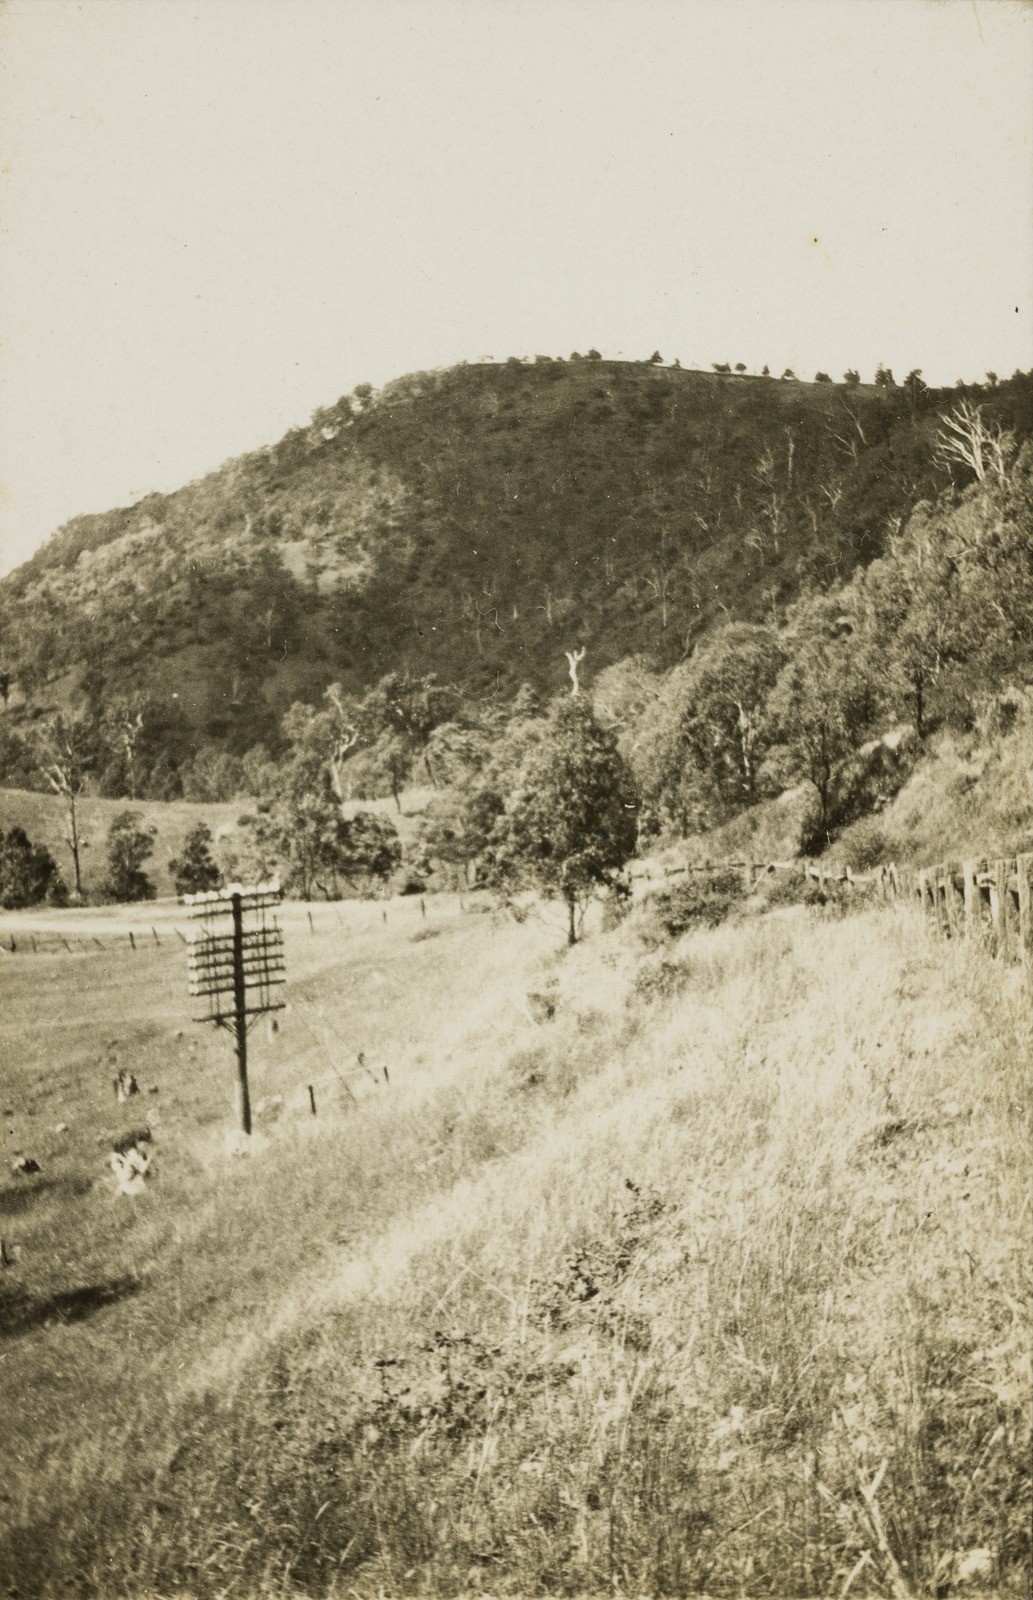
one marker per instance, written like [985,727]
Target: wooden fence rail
[986,898]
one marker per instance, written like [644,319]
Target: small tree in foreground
[571,825]
[129,846]
[196,871]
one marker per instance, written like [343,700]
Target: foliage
[196,870]
[318,850]
[571,824]
[703,739]
[700,900]
[28,873]
[440,526]
[823,703]
[129,846]
[65,748]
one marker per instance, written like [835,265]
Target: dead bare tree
[965,438]
[346,737]
[123,725]
[574,659]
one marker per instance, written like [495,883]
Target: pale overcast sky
[216,216]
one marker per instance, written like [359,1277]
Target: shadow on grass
[21,1312]
[16,1200]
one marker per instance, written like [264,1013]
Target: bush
[791,889]
[701,901]
[129,846]
[28,873]
[196,871]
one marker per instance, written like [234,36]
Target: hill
[473,523]
[717,1282]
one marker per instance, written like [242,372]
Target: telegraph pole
[235,971]
[240,1012]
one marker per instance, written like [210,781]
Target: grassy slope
[970,797]
[43,818]
[717,1281]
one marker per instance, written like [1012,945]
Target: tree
[721,366]
[196,871]
[822,377]
[28,873]
[656,359]
[571,824]
[371,845]
[129,846]
[317,847]
[765,371]
[699,746]
[852,377]
[65,748]
[965,438]
[593,355]
[823,702]
[788,374]
[884,378]
[122,725]
[740,366]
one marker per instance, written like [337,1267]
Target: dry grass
[971,797]
[43,818]
[718,1284]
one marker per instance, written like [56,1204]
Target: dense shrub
[129,846]
[28,873]
[701,900]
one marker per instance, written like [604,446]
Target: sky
[218,215]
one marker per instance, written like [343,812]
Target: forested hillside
[761,579]
[474,523]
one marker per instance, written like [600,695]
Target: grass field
[43,818]
[717,1281]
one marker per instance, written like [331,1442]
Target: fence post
[945,896]
[1023,867]
[971,895]
[955,899]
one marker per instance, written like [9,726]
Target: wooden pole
[1023,868]
[312,1098]
[998,907]
[971,897]
[239,1013]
